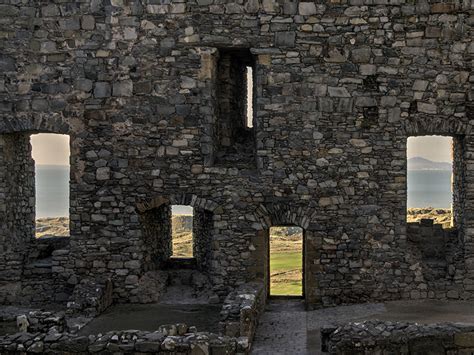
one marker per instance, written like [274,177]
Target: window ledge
[181,263]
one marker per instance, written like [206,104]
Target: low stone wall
[170,339]
[241,310]
[437,256]
[377,337]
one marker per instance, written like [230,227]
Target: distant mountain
[419,163]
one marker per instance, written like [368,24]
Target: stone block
[427,108]
[361,55]
[7,63]
[285,39]
[9,11]
[420,85]
[88,22]
[440,8]
[123,88]
[83,84]
[102,89]
[338,92]
[307,8]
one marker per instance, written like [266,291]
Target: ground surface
[439,215]
[54,226]
[286,328]
[151,316]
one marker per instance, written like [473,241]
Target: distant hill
[419,163]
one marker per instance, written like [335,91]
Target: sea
[429,188]
[426,188]
[52,191]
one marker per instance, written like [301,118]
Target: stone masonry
[152,95]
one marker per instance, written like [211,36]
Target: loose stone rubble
[376,337]
[176,338]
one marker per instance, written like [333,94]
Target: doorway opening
[286,261]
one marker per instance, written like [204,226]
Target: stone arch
[35,123]
[155,215]
[436,126]
[281,214]
[176,199]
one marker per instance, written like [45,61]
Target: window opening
[430,179]
[51,154]
[182,231]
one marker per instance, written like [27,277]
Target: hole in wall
[51,154]
[182,226]
[430,179]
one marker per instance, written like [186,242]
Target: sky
[50,149]
[249,97]
[435,148]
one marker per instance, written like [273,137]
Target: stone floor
[150,316]
[286,328]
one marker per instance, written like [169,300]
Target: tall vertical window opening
[51,154]
[430,179]
[234,139]
[182,231]
[249,97]
[286,261]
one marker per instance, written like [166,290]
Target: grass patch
[286,276]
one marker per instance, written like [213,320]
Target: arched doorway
[286,261]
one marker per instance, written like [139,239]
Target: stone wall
[438,259]
[202,238]
[376,337]
[241,310]
[339,86]
[169,339]
[157,241]
[17,186]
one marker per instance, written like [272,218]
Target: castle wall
[339,87]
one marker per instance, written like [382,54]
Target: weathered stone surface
[153,97]
[285,39]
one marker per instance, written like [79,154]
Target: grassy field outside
[286,261]
[286,274]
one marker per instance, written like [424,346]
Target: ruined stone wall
[157,246]
[17,186]
[338,89]
[202,238]
[372,337]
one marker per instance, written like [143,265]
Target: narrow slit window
[286,261]
[182,231]
[235,91]
[430,179]
[51,154]
[249,97]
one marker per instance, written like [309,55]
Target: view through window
[429,184]
[249,71]
[182,231]
[286,261]
[51,154]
